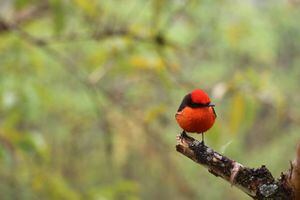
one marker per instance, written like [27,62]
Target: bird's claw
[180,138]
[183,134]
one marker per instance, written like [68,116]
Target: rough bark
[258,183]
[294,173]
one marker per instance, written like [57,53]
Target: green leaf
[58,15]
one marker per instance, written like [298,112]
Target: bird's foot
[183,134]
[202,142]
[183,138]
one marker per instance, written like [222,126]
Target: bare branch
[258,183]
[295,174]
[25,15]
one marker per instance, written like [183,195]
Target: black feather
[185,102]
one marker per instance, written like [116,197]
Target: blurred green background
[89,89]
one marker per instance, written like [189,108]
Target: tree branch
[258,183]
[25,15]
[294,173]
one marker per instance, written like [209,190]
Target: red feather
[196,114]
[199,96]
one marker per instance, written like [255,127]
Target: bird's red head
[199,96]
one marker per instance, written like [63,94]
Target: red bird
[196,113]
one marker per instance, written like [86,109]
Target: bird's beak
[211,105]
[178,113]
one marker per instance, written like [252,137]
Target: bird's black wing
[185,101]
[214,111]
[213,108]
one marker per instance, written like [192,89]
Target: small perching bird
[196,113]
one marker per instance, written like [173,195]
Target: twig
[258,183]
[23,16]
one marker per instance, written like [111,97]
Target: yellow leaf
[143,62]
[88,6]
[154,112]
[236,113]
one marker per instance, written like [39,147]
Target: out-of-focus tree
[88,92]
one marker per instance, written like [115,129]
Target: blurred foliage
[89,89]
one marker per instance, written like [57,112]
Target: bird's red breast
[196,114]
[196,120]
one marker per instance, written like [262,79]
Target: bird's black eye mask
[187,101]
